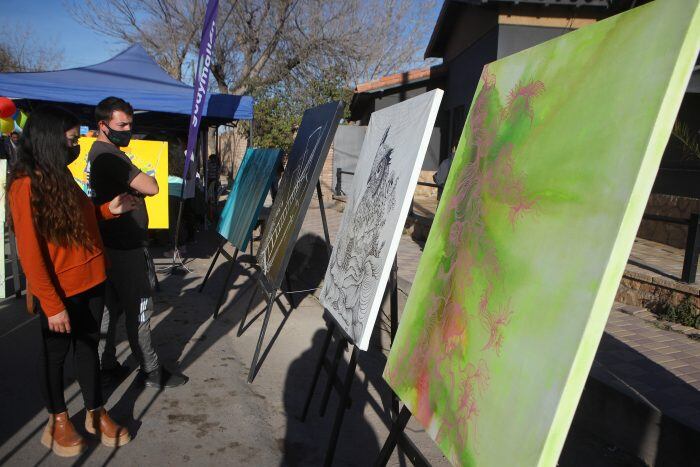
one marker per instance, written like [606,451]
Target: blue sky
[50,22]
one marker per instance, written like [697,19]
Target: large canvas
[149,156]
[382,190]
[247,195]
[530,240]
[297,186]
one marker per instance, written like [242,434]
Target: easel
[398,437]
[344,386]
[232,260]
[271,292]
[14,261]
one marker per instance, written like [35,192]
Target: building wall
[232,145]
[514,38]
[471,24]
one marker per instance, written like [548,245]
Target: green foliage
[278,111]
[684,313]
[688,140]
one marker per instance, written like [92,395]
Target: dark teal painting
[248,195]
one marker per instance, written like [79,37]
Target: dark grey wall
[465,70]
[346,151]
[514,38]
[679,173]
[398,96]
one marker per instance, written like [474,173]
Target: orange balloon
[7,107]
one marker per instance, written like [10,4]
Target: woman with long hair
[60,250]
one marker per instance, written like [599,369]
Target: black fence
[692,242]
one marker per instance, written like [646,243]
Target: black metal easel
[344,386]
[271,293]
[398,437]
[232,264]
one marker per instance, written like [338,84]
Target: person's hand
[59,322]
[122,204]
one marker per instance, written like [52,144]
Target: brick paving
[660,366]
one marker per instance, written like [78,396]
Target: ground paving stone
[218,418]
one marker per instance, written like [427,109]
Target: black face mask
[119,138]
[73,153]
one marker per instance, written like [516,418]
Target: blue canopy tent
[162,103]
[132,75]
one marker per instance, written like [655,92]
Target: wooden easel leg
[289,294]
[317,369]
[241,326]
[211,267]
[394,312]
[224,287]
[322,208]
[396,430]
[342,407]
[332,375]
[268,311]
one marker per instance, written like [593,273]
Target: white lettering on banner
[284,219]
[203,76]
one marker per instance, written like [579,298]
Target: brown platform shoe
[60,436]
[111,434]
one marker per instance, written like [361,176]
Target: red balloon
[7,107]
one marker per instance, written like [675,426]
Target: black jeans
[85,314]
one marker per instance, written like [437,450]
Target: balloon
[7,107]
[7,125]
[21,118]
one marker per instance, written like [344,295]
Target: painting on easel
[531,237]
[382,191]
[298,183]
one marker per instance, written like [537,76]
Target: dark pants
[85,314]
[129,291]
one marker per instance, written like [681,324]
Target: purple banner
[201,83]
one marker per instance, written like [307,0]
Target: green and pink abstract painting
[546,192]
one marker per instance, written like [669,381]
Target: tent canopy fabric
[132,75]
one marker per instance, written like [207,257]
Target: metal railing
[339,182]
[339,190]
[692,243]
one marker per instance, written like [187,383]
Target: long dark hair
[42,156]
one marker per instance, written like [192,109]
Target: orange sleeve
[103,213]
[29,249]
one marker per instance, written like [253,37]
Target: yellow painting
[149,156]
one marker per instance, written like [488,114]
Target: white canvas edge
[363,344]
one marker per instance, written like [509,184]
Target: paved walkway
[217,418]
[662,366]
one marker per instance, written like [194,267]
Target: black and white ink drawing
[387,172]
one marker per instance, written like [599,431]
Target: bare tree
[20,52]
[264,43]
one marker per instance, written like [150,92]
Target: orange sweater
[55,272]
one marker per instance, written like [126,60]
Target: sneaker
[161,378]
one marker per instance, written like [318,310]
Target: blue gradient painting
[248,195]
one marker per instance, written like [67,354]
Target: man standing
[9,148]
[130,275]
